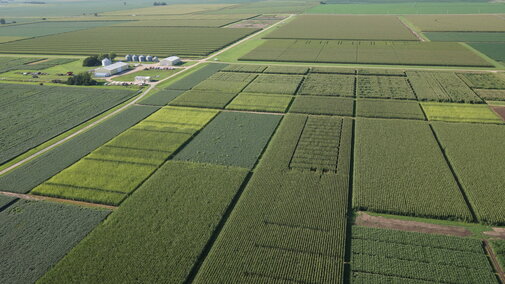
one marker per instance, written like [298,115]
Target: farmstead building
[110,70]
[170,61]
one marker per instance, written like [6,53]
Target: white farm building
[170,61]
[110,70]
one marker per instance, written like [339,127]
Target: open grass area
[466,36]
[324,27]
[460,112]
[367,52]
[160,41]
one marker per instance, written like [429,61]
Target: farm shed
[110,70]
[170,61]
[106,62]
[142,79]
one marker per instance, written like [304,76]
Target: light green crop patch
[261,102]
[460,112]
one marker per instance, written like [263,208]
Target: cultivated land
[340,149]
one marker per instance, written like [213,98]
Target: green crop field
[159,41]
[466,36]
[460,112]
[456,23]
[442,87]
[299,141]
[344,28]
[49,28]
[404,7]
[34,114]
[145,234]
[492,95]
[494,50]
[275,84]
[366,52]
[385,87]
[478,171]
[323,105]
[387,256]
[484,80]
[36,235]
[231,139]
[275,234]
[261,102]
[423,186]
[328,85]
[389,109]
[108,176]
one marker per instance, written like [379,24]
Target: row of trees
[96,60]
[83,79]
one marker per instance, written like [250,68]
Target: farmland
[296,141]
[26,128]
[366,52]
[344,28]
[159,41]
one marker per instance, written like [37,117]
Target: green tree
[83,79]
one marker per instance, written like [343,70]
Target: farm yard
[297,142]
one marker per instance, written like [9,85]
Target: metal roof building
[169,61]
[110,70]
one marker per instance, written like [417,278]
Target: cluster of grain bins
[141,58]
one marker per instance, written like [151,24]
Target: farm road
[137,99]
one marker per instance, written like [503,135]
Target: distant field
[399,53]
[466,36]
[49,28]
[33,114]
[409,8]
[495,51]
[344,28]
[455,23]
[9,38]
[159,41]
[267,7]
[176,9]
[178,23]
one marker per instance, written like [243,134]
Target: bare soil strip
[496,233]
[494,261]
[499,110]
[366,220]
[59,200]
[37,62]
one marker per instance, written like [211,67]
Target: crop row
[478,171]
[231,139]
[113,171]
[442,87]
[261,102]
[407,150]
[25,178]
[33,114]
[36,235]
[392,53]
[318,146]
[172,213]
[418,256]
[160,41]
